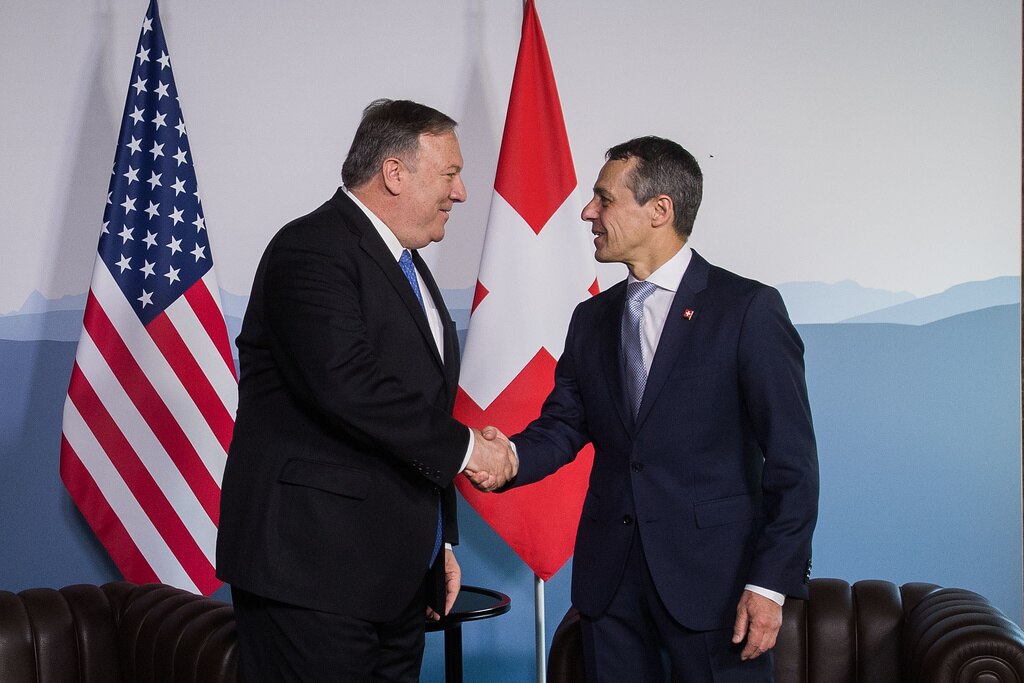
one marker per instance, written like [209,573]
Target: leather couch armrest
[169,634]
[565,659]
[58,635]
[954,635]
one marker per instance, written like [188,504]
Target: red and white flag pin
[688,314]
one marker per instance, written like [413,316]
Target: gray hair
[390,128]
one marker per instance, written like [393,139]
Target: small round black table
[472,604]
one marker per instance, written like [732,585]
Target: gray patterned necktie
[632,341]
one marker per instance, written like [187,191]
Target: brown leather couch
[870,632]
[118,632]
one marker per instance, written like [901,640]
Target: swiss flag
[537,264]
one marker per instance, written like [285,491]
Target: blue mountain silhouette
[808,303]
[962,298]
[821,302]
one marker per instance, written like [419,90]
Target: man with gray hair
[338,509]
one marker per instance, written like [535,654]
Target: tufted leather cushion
[870,632]
[951,635]
[115,632]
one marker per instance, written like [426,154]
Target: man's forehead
[613,175]
[446,148]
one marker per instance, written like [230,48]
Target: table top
[473,603]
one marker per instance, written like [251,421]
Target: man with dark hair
[662,166]
[338,509]
[689,382]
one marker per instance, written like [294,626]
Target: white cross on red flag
[537,265]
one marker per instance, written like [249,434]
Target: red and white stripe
[147,424]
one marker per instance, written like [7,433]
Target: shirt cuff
[469,451]
[777,598]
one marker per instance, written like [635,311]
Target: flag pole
[541,644]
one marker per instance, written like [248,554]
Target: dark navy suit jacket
[718,473]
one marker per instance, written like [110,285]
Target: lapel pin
[688,314]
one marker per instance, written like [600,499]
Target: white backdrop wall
[858,155]
[872,141]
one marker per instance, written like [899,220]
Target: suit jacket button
[627,519]
[637,467]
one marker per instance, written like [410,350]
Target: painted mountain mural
[916,405]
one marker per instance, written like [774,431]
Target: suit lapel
[610,351]
[373,245]
[449,341]
[677,334]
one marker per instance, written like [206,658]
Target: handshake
[494,462]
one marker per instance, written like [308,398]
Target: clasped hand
[493,462]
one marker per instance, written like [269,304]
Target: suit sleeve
[774,391]
[319,338]
[557,435]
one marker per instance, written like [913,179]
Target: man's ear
[393,173]
[662,211]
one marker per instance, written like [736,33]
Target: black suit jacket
[344,439]
[718,472]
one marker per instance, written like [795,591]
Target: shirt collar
[392,243]
[670,274]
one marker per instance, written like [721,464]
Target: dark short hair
[390,128]
[663,167]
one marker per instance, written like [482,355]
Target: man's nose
[589,211]
[458,190]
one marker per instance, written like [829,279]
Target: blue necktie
[632,341]
[406,264]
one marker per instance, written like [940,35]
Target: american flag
[153,392]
